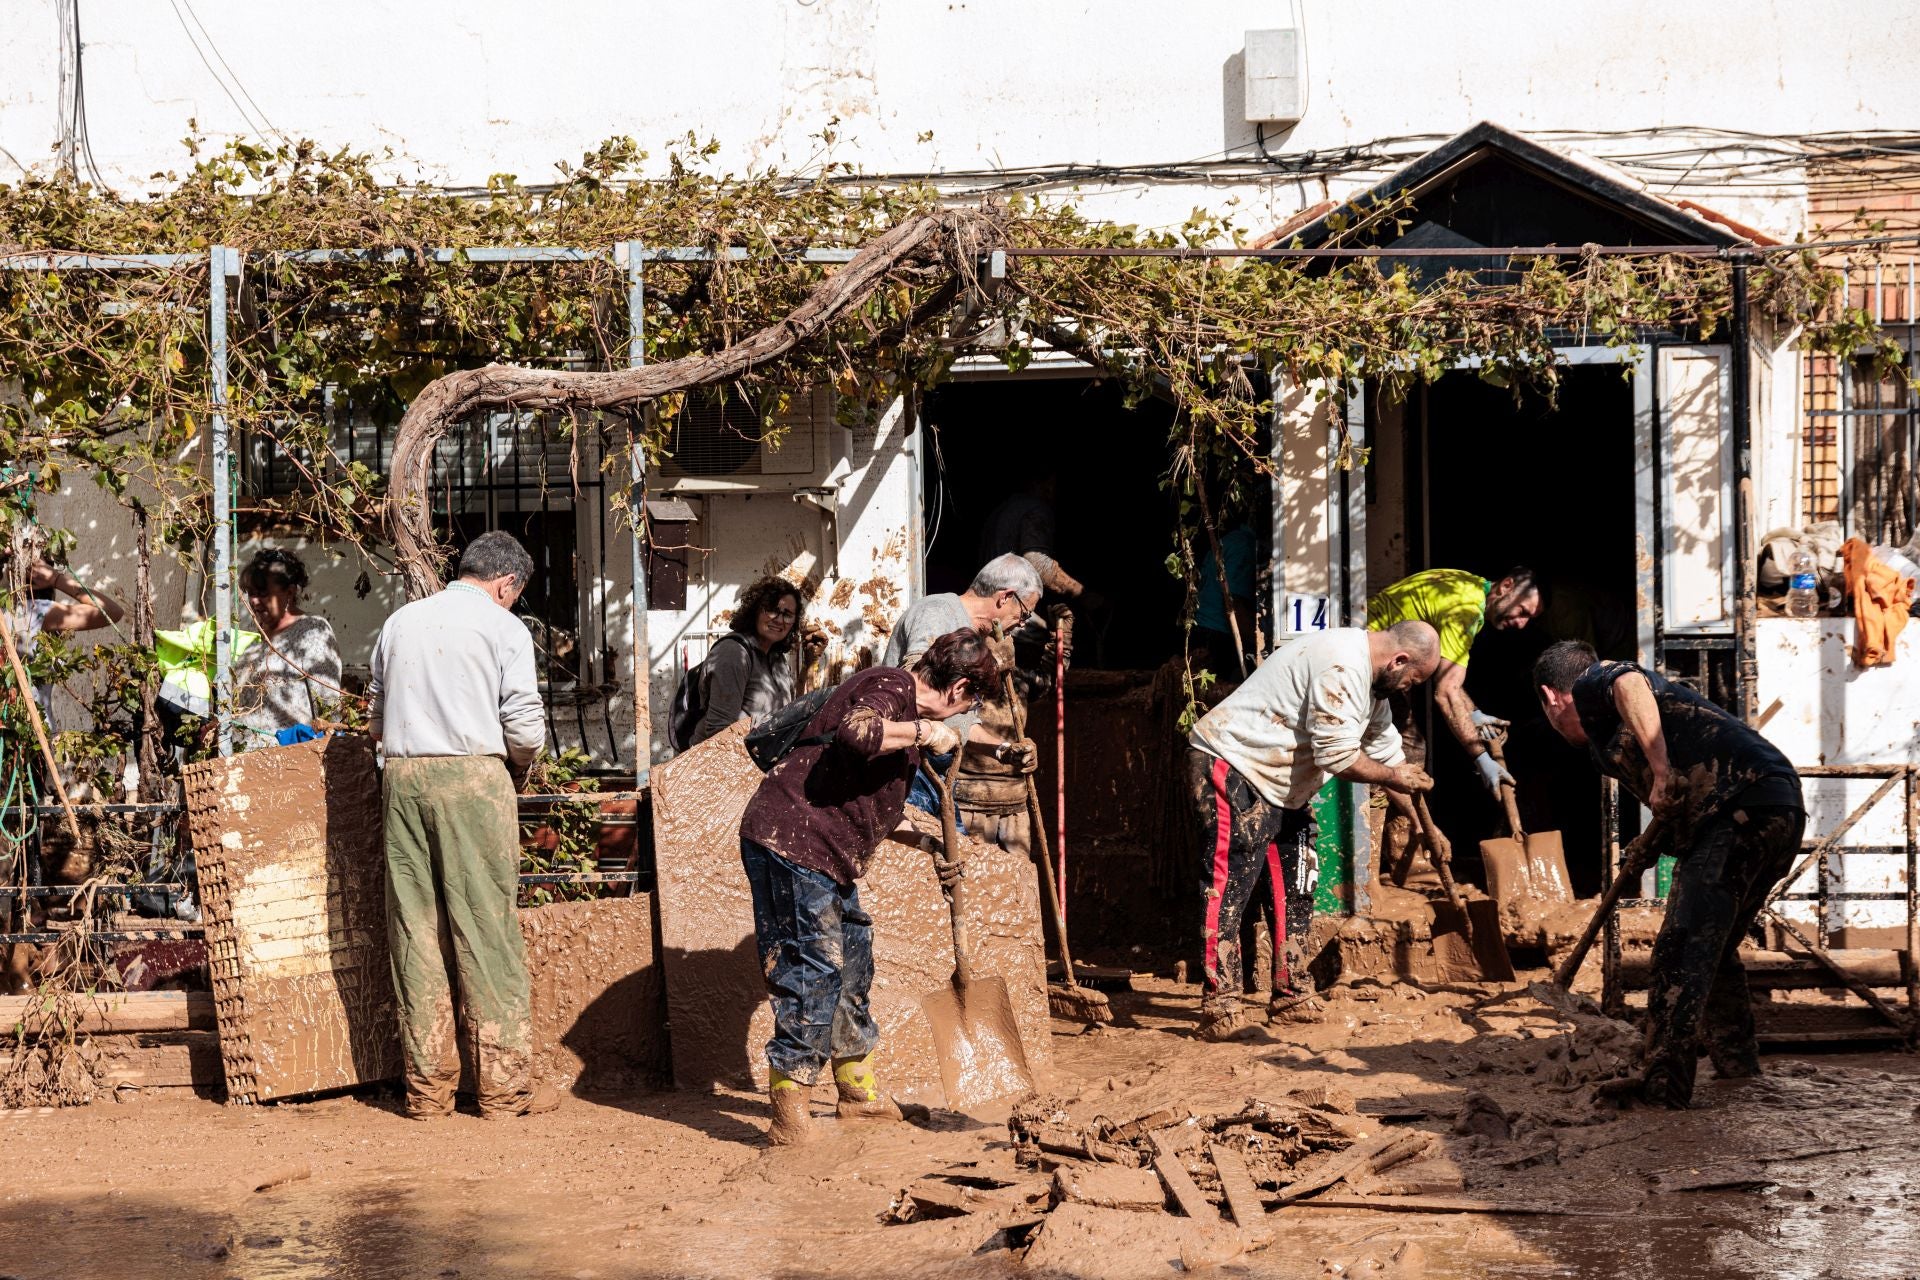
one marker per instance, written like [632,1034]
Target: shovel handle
[1509,796]
[1638,857]
[1037,821]
[956,891]
[1440,850]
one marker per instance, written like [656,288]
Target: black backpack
[773,738]
[690,699]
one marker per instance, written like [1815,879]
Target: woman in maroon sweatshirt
[807,836]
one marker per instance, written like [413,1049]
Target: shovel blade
[1547,867]
[1454,959]
[1489,943]
[1509,877]
[974,1032]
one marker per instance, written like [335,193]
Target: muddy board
[716,998]
[292,885]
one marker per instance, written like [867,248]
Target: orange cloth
[1881,598]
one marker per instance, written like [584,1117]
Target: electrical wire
[252,127]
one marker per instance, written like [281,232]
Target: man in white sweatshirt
[1318,706]
[457,712]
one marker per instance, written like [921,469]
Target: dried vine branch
[953,240]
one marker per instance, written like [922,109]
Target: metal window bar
[1868,441]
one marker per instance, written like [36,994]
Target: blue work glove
[1489,727]
[297,734]
[1492,774]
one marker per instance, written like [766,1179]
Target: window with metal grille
[1860,445]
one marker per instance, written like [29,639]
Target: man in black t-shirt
[1735,808]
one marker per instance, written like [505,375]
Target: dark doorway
[1508,481]
[1114,519]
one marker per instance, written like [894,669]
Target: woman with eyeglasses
[749,672]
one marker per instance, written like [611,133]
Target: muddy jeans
[920,792]
[453,860]
[816,950]
[1246,840]
[1698,999]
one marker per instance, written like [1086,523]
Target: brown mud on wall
[716,996]
[292,881]
[599,1006]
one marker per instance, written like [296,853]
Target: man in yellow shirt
[1456,604]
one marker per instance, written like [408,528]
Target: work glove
[938,738]
[1493,774]
[1489,727]
[1022,755]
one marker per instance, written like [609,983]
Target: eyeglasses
[1026,614]
[785,615]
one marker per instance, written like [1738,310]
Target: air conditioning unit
[717,444]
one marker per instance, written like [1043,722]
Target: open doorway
[1494,481]
[1114,519]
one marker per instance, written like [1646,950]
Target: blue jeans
[920,792]
[816,950]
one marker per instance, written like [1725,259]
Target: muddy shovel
[1522,863]
[1467,942]
[974,1032]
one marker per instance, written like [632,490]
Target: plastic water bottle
[1803,585]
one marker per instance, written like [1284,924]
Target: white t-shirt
[1306,712]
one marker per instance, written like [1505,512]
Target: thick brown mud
[1812,1171]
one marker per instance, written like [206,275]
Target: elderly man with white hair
[1001,598]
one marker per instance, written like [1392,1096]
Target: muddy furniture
[292,884]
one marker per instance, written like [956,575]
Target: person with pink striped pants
[1317,706]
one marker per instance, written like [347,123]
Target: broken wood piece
[1402,1149]
[1175,1141]
[1166,1118]
[1109,1186]
[1444,1204]
[1723,1178]
[1069,1142]
[1352,1160]
[1243,1201]
[1185,1193]
[114,1013]
[931,1198]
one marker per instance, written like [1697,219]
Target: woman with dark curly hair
[747,671]
[280,680]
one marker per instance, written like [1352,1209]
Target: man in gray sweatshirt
[457,713]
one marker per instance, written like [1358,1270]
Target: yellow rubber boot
[860,1096]
[792,1118]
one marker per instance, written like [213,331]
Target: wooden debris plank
[1185,1193]
[1444,1204]
[1400,1150]
[1242,1199]
[1110,1187]
[1351,1160]
[1070,1142]
[1725,1178]
[114,1013]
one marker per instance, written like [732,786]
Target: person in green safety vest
[1457,604]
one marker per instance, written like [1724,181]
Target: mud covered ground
[672,1184]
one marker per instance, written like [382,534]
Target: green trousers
[453,855]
